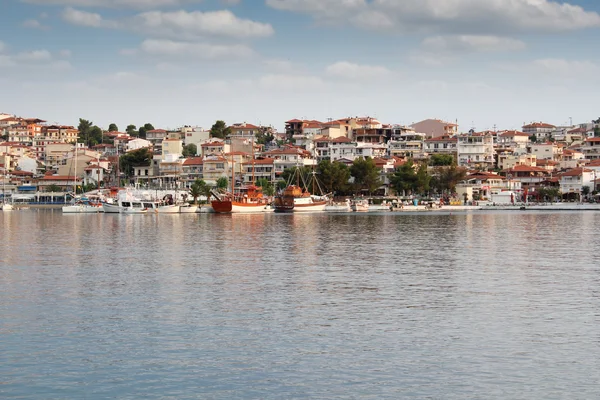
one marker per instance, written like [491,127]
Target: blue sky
[484,63]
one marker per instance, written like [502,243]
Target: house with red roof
[541,130]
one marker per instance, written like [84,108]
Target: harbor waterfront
[472,304]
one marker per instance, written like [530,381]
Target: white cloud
[348,70]
[565,67]
[2,46]
[471,43]
[204,51]
[65,53]
[178,24]
[34,56]
[448,16]
[33,24]
[84,18]
[138,4]
[39,59]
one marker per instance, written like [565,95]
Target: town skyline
[174,63]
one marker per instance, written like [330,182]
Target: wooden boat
[249,199]
[296,199]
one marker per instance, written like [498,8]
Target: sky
[484,63]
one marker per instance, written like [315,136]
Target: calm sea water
[487,305]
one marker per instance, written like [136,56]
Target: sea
[432,305]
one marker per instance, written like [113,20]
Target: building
[260,168]
[433,128]
[441,145]
[546,151]
[192,169]
[408,144]
[513,139]
[591,148]
[476,150]
[574,181]
[541,130]
[244,130]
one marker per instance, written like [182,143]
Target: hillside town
[42,161]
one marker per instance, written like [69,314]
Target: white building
[575,179]
[541,130]
[476,150]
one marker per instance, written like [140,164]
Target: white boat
[110,208]
[6,207]
[133,207]
[188,209]
[81,208]
[338,207]
[133,210]
[360,205]
[168,209]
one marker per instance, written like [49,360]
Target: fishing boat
[82,206]
[133,208]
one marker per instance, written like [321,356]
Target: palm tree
[196,190]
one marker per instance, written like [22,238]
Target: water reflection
[475,305]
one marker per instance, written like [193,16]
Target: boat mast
[252,161]
[232,175]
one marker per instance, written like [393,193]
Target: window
[146,172]
[220,166]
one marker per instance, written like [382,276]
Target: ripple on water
[474,305]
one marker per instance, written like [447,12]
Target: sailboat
[5,206]
[296,198]
[249,199]
[80,205]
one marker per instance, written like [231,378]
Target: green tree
[334,176]
[437,160]
[222,183]
[365,174]
[585,190]
[84,128]
[533,138]
[190,150]
[197,189]
[266,186]
[423,180]
[113,128]
[131,130]
[95,135]
[445,179]
[264,135]
[404,179]
[220,130]
[281,184]
[134,158]
[597,131]
[143,129]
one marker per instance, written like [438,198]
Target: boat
[298,199]
[82,206]
[360,205]
[168,205]
[364,205]
[5,206]
[248,199]
[188,209]
[338,207]
[133,208]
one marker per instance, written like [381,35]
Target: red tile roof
[538,125]
[193,161]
